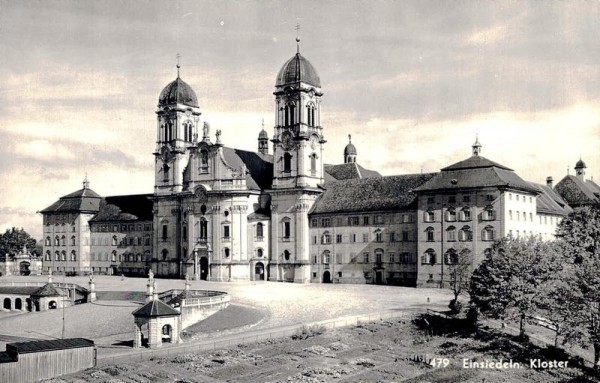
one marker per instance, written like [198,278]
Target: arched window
[429,234]
[451,257]
[451,215]
[292,114]
[489,214]
[465,214]
[287,162]
[286,255]
[451,233]
[287,229]
[63,241]
[63,256]
[487,234]
[379,256]
[115,240]
[428,257]
[259,231]
[48,241]
[48,256]
[429,216]
[57,256]
[286,117]
[113,256]
[165,172]
[326,257]
[73,241]
[203,228]
[226,252]
[313,163]
[465,234]
[73,255]
[326,238]
[259,252]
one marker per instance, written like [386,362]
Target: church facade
[219,213]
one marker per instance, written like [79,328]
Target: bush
[455,306]
[307,332]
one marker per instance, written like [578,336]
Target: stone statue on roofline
[150,275]
[218,134]
[206,131]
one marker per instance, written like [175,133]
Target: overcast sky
[412,81]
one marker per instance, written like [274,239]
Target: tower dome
[263,135]
[298,69]
[178,92]
[349,151]
[580,164]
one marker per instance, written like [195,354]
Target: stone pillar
[155,292]
[154,335]
[92,297]
[187,283]
[149,291]
[137,337]
[50,276]
[196,274]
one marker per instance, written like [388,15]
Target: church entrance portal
[204,268]
[378,278]
[259,272]
[326,277]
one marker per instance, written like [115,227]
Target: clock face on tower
[287,141]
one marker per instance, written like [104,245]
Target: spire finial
[86,183]
[567,169]
[298,37]
[263,123]
[349,138]
[178,66]
[476,146]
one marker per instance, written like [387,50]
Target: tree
[576,302]
[507,284]
[12,241]
[459,273]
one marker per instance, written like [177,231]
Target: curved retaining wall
[200,305]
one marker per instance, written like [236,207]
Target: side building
[468,205]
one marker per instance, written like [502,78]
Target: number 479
[439,362]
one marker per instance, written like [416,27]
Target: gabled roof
[259,166]
[48,290]
[84,200]
[549,202]
[125,208]
[48,345]
[370,194]
[348,171]
[594,188]
[576,191]
[476,172]
[155,308]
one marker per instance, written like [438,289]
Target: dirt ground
[385,351]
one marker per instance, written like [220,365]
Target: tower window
[286,229]
[164,232]
[313,163]
[287,162]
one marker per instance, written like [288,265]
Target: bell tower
[298,137]
[178,116]
[298,144]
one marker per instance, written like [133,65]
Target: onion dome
[178,92]
[263,135]
[349,149]
[298,69]
[580,164]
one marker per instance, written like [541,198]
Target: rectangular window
[466,198]
[489,197]
[430,200]
[452,199]
[524,216]
[392,257]
[315,240]
[164,232]
[366,221]
[531,217]
[517,196]
[379,237]
[366,257]
[314,222]
[510,214]
[365,237]
[286,230]
[406,218]
[392,237]
[405,236]
[314,259]
[226,233]
[352,221]
[338,238]
[352,237]
[325,222]
[379,219]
